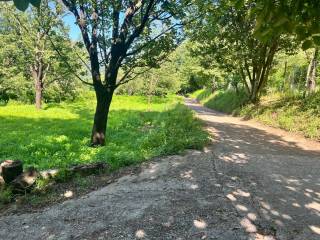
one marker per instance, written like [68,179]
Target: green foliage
[201,95]
[289,112]
[169,124]
[289,72]
[182,73]
[225,39]
[22,5]
[58,135]
[6,195]
[228,101]
[28,43]
[293,112]
[299,17]
[133,36]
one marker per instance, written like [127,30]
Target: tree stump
[25,181]
[10,170]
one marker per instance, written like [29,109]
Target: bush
[6,195]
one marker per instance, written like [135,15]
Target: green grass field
[58,135]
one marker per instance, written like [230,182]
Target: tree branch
[68,64]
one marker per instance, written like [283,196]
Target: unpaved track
[254,182]
[271,177]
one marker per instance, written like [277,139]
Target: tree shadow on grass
[132,136]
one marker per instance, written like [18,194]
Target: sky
[74,29]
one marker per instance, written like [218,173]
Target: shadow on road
[271,177]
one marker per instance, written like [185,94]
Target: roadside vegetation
[292,113]
[220,100]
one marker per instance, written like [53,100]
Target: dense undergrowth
[289,112]
[58,135]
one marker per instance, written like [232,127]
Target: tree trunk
[285,76]
[244,81]
[38,85]
[10,170]
[38,90]
[254,95]
[312,74]
[104,98]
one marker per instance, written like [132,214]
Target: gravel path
[253,182]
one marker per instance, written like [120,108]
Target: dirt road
[271,177]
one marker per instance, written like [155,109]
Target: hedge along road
[253,182]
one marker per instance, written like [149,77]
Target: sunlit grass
[58,135]
[291,113]
[224,101]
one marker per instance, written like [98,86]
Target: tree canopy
[24,4]
[298,17]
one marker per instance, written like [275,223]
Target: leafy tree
[126,35]
[180,73]
[193,73]
[225,37]
[289,72]
[154,82]
[298,17]
[28,52]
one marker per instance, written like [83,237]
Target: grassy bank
[292,113]
[58,135]
[223,101]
